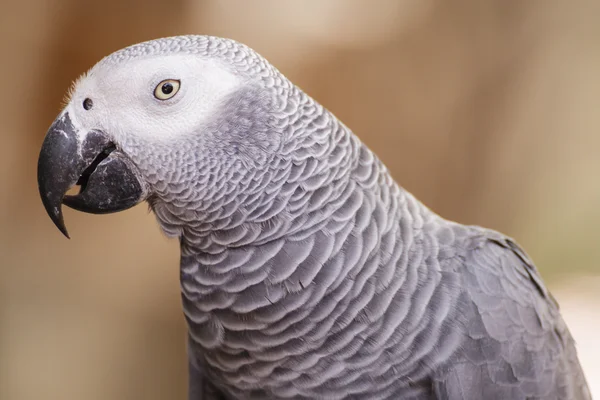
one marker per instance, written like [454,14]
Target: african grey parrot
[307,272]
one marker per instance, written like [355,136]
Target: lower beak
[109,181]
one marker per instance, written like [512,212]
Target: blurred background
[488,111]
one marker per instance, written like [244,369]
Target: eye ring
[167,89]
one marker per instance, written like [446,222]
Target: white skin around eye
[124,103]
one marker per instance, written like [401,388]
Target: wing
[517,345]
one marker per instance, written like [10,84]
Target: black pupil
[167,88]
[88,103]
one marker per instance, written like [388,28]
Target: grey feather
[308,272]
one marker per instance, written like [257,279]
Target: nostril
[88,103]
[85,175]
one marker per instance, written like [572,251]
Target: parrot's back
[517,345]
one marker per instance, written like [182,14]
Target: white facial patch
[125,106]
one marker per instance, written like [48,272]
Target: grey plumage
[307,272]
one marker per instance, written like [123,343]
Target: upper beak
[109,181]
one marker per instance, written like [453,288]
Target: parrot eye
[166,89]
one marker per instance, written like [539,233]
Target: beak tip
[63,230]
[57,217]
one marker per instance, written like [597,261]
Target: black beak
[109,181]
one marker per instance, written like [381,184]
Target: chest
[278,341]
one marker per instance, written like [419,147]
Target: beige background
[487,110]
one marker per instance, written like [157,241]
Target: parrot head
[170,119]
